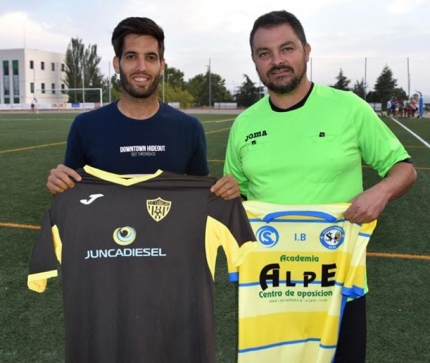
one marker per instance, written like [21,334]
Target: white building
[29,73]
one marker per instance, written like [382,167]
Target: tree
[385,86]
[400,93]
[174,94]
[195,87]
[172,88]
[360,89]
[342,82]
[248,93]
[174,77]
[372,97]
[116,87]
[82,70]
[198,87]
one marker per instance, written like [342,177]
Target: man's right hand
[60,179]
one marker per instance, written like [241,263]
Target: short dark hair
[276,18]
[139,26]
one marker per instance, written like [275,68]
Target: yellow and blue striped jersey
[294,286]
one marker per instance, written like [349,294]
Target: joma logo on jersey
[158,208]
[91,199]
[256,135]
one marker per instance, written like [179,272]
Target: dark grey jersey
[137,259]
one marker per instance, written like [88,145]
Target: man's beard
[136,91]
[283,88]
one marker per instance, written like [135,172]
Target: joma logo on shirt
[256,135]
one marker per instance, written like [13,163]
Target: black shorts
[351,347]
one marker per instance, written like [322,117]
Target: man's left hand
[367,206]
[227,187]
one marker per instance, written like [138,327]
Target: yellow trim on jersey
[216,235]
[37,282]
[312,353]
[125,180]
[58,245]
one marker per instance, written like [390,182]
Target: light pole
[409,77]
[164,94]
[365,78]
[83,85]
[109,86]
[209,74]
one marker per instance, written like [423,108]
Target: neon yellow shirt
[311,154]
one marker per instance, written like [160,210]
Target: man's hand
[227,187]
[369,205]
[366,206]
[60,179]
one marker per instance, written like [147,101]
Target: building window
[15,68]
[63,67]
[43,87]
[5,68]
[31,64]
[53,88]
[15,80]
[42,66]
[6,80]
[31,87]
[52,67]
[63,88]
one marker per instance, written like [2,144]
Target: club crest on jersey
[158,208]
[332,237]
[267,236]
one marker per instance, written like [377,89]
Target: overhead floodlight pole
[409,77]
[110,86]
[210,88]
[365,78]
[83,85]
[164,93]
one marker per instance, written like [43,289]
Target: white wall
[37,75]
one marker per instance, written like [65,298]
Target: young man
[304,144]
[137,134]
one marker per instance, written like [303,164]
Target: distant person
[397,108]
[388,107]
[420,105]
[401,111]
[304,143]
[393,103]
[33,105]
[413,105]
[109,138]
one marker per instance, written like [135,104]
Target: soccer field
[31,324]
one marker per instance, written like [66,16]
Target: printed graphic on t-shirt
[142,150]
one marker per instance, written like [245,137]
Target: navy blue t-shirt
[106,139]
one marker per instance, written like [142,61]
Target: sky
[359,37]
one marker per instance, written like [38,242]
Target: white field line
[226,120]
[411,132]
